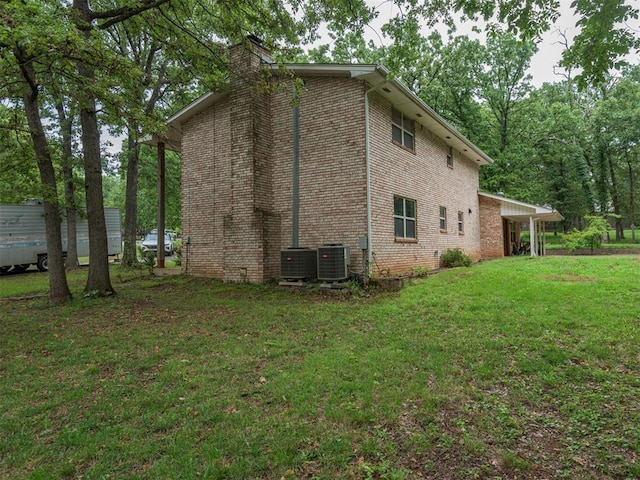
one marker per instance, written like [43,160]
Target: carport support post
[161,185]
[532,236]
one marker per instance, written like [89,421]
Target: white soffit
[401,98]
[394,91]
[523,212]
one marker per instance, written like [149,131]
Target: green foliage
[455,258]
[148,259]
[421,271]
[591,237]
[615,127]
[383,471]
[603,40]
[177,249]
[19,177]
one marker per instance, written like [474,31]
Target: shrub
[455,258]
[177,249]
[149,260]
[591,237]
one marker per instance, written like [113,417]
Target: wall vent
[298,264]
[333,262]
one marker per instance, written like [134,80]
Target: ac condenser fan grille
[298,264]
[333,262]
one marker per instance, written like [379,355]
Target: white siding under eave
[513,210]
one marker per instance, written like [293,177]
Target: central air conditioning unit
[298,263]
[333,262]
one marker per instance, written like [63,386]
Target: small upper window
[404,217]
[443,219]
[449,157]
[460,222]
[402,129]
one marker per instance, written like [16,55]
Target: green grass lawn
[556,240]
[516,368]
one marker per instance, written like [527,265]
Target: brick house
[376,170]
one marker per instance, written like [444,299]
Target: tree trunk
[598,170]
[66,125]
[632,200]
[130,256]
[98,281]
[58,286]
[615,198]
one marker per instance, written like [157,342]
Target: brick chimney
[251,186]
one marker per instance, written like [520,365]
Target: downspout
[295,201]
[367,154]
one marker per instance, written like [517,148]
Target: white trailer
[23,240]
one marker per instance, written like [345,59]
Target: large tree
[22,53]
[616,130]
[557,131]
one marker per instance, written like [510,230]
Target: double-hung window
[449,157]
[404,217]
[443,219]
[460,223]
[402,131]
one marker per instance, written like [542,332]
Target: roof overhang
[400,97]
[523,212]
[393,90]
[172,136]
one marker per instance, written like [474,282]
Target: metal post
[532,236]
[161,185]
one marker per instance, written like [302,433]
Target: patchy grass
[517,368]
[32,283]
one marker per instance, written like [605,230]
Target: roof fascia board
[360,71]
[510,200]
[194,107]
[355,71]
[366,70]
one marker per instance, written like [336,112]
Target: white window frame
[404,131]
[443,219]
[405,218]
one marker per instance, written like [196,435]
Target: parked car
[150,244]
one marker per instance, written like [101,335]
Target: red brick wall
[237,181]
[491,232]
[332,197]
[206,189]
[422,176]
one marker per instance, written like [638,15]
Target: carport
[514,213]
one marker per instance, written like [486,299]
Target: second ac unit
[333,262]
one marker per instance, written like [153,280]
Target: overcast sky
[549,49]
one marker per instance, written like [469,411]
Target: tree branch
[118,15]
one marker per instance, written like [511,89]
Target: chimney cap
[254,39]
